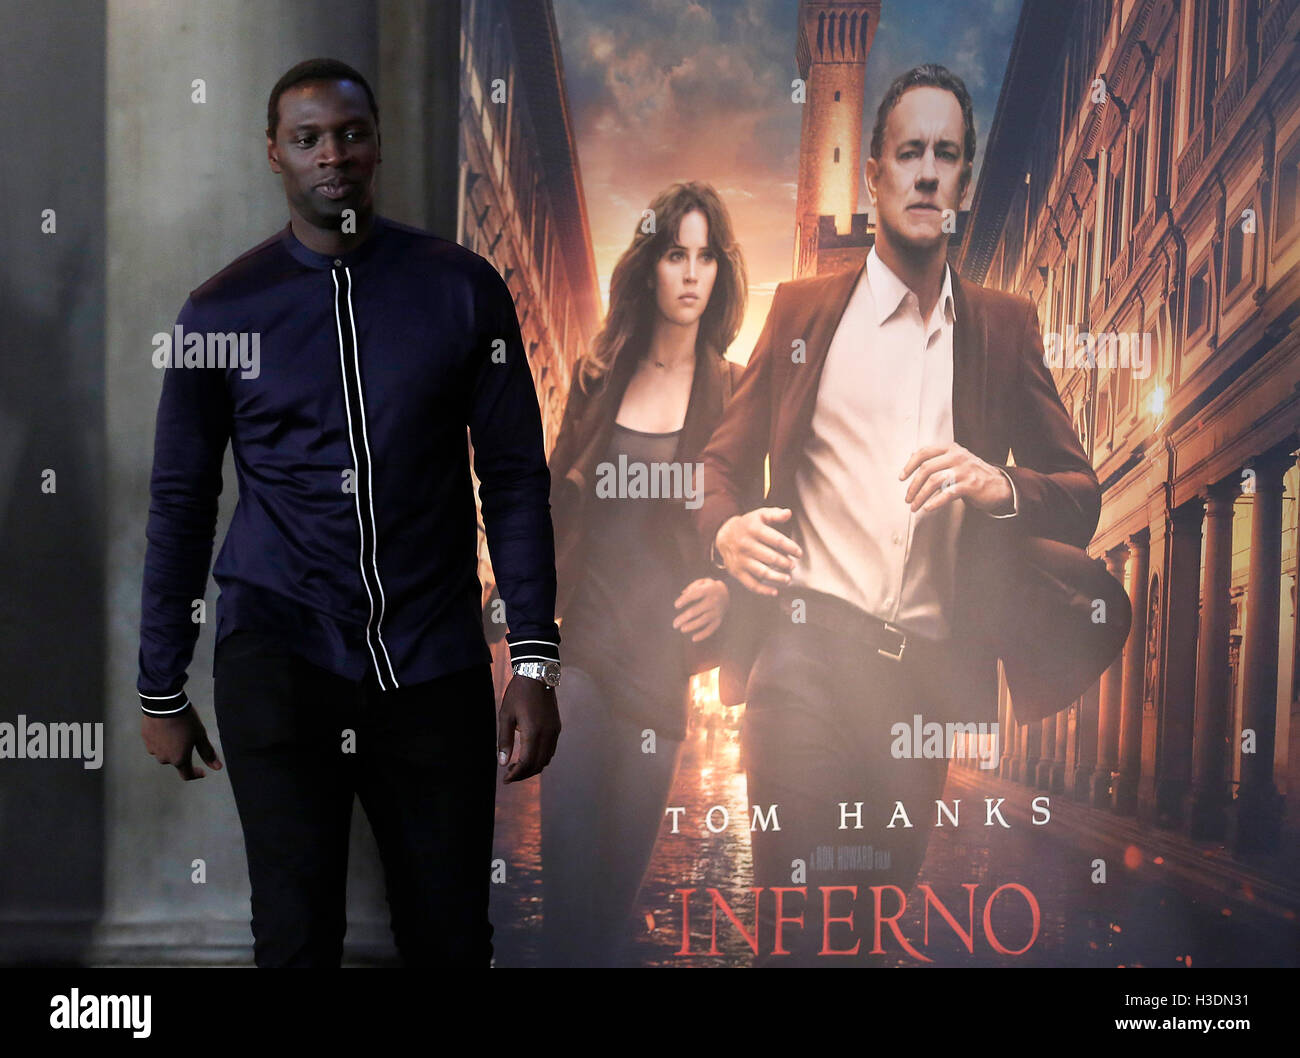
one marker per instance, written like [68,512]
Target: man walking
[887,399]
[350,655]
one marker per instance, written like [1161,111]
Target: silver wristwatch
[548,672]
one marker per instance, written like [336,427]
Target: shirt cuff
[534,650]
[164,704]
[1015,501]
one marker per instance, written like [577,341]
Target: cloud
[665,90]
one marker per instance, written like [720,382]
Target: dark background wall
[154,193]
[52,294]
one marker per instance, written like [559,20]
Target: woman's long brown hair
[632,304]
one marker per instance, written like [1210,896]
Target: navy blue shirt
[355,533]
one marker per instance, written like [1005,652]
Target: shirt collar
[888,291]
[351,259]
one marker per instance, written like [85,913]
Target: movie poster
[913,391]
[1131,809]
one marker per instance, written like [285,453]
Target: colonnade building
[1141,184]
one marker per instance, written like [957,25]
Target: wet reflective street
[1144,914]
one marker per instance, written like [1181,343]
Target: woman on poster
[640,605]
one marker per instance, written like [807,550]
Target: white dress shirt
[885,391]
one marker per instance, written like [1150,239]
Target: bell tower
[831,49]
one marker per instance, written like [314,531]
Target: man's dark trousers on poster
[817,735]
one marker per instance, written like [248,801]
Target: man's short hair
[314,70]
[934,76]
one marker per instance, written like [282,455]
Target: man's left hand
[529,707]
[944,473]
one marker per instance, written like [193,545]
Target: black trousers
[299,742]
[817,734]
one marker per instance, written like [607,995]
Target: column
[1135,653]
[1257,813]
[1208,795]
[1057,782]
[1089,708]
[1043,773]
[1006,731]
[1029,763]
[1017,765]
[419,53]
[1112,684]
[1176,683]
[1292,775]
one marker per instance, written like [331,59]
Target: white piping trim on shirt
[370,485]
[361,528]
[166,712]
[178,696]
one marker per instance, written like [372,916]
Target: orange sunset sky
[666,90]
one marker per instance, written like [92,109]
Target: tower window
[837,97]
[837,154]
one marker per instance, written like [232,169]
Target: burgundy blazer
[1004,401]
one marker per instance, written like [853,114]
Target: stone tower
[831,50]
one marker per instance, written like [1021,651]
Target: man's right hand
[755,553]
[171,739]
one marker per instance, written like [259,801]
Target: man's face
[326,149]
[920,172]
